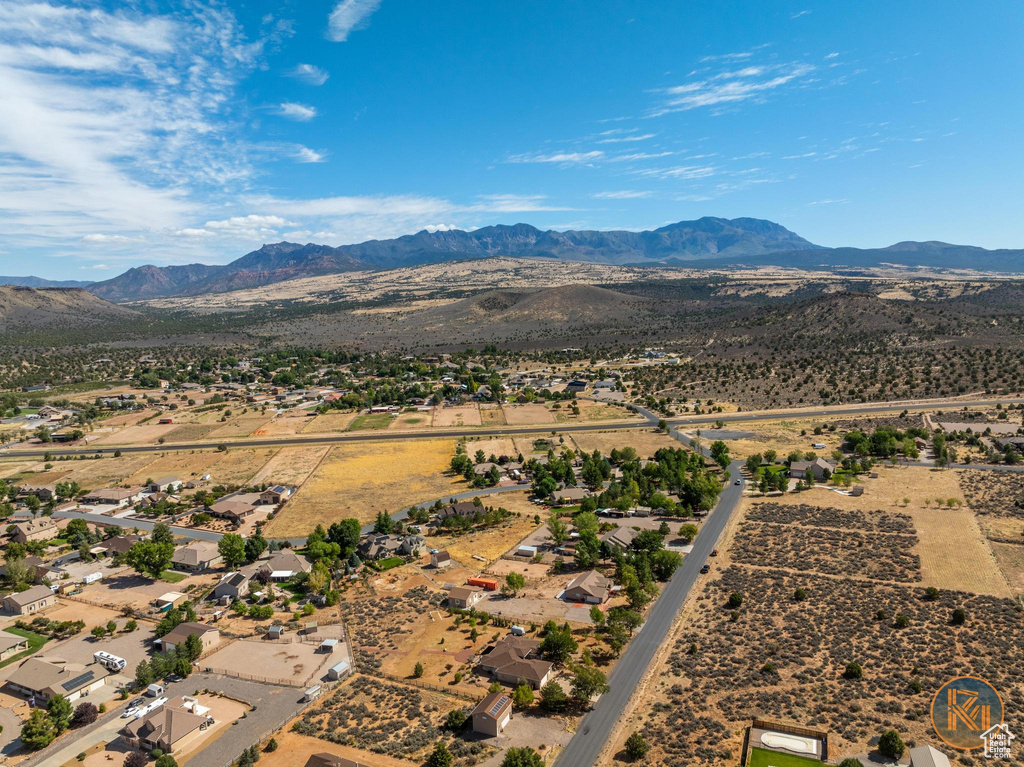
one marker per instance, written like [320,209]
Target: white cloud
[799,14]
[624,194]
[730,87]
[633,156]
[348,16]
[623,139]
[831,55]
[295,111]
[309,73]
[247,223]
[305,154]
[680,172]
[111,238]
[829,202]
[566,158]
[193,232]
[94,266]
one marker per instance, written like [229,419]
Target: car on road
[706,569]
[738,482]
[130,712]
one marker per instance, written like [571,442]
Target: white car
[738,482]
[130,712]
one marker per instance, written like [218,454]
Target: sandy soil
[492,415]
[291,661]
[457,415]
[240,426]
[329,422]
[497,446]
[294,749]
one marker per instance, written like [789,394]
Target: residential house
[926,756]
[383,546]
[119,544]
[492,714]
[38,529]
[590,587]
[576,387]
[11,645]
[44,678]
[196,557]
[165,485]
[275,495]
[30,601]
[170,727]
[463,509]
[233,586]
[119,497]
[516,658]
[483,469]
[819,468]
[440,559]
[231,510]
[208,635]
[153,499]
[331,760]
[569,495]
[620,537]
[42,492]
[464,597]
[282,566]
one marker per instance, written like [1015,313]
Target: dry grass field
[781,436]
[492,415]
[191,432]
[591,412]
[496,446]
[493,542]
[289,423]
[236,466]
[238,426]
[106,471]
[411,421]
[291,465]
[527,415]
[361,479]
[457,415]
[329,422]
[296,749]
[646,442]
[140,434]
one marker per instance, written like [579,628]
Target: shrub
[959,617]
[735,600]
[271,745]
[522,757]
[799,595]
[853,670]
[850,762]
[136,759]
[553,697]
[636,747]
[85,713]
[890,744]
[456,720]
[931,593]
[901,621]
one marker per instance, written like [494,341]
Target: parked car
[714,552]
[130,712]
[706,569]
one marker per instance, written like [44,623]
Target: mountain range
[706,242]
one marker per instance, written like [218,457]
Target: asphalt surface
[597,726]
[374,436]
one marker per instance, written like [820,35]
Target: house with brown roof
[42,492]
[440,559]
[38,529]
[208,635]
[44,678]
[119,544]
[331,760]
[492,714]
[11,644]
[29,601]
[590,587]
[516,659]
[171,727]
[196,557]
[235,512]
[569,495]
[282,566]
[119,497]
[620,537]
[233,585]
[819,468]
[463,509]
[464,597]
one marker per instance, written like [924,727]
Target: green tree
[417,670]
[165,760]
[523,695]
[959,617]
[232,549]
[558,645]
[61,711]
[586,683]
[720,453]
[853,670]
[455,720]
[384,525]
[144,674]
[553,697]
[440,756]
[851,762]
[255,545]
[636,747]
[85,713]
[735,600]
[514,583]
[890,744]
[558,530]
[39,731]
[150,558]
[161,533]
[521,757]
[588,550]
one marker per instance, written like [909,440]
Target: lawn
[389,563]
[371,421]
[35,641]
[761,757]
[170,576]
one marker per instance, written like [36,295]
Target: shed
[338,671]
[487,584]
[328,646]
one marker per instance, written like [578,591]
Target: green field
[35,641]
[762,757]
[370,421]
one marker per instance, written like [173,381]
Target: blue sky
[152,132]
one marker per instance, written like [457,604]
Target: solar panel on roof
[79,681]
[498,705]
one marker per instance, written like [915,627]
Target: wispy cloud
[679,172]
[624,139]
[730,87]
[111,238]
[296,111]
[799,14]
[308,73]
[622,194]
[568,158]
[94,266]
[305,154]
[348,16]
[829,202]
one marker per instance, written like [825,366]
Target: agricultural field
[236,466]
[785,647]
[191,432]
[360,479]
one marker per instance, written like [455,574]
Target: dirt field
[142,434]
[272,661]
[191,432]
[236,466]
[523,415]
[645,441]
[291,465]
[497,447]
[591,412]
[360,479]
[492,415]
[495,541]
[294,749]
[240,426]
[457,415]
[287,424]
[329,422]
[411,421]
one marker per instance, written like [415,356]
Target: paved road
[593,732]
[374,436]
